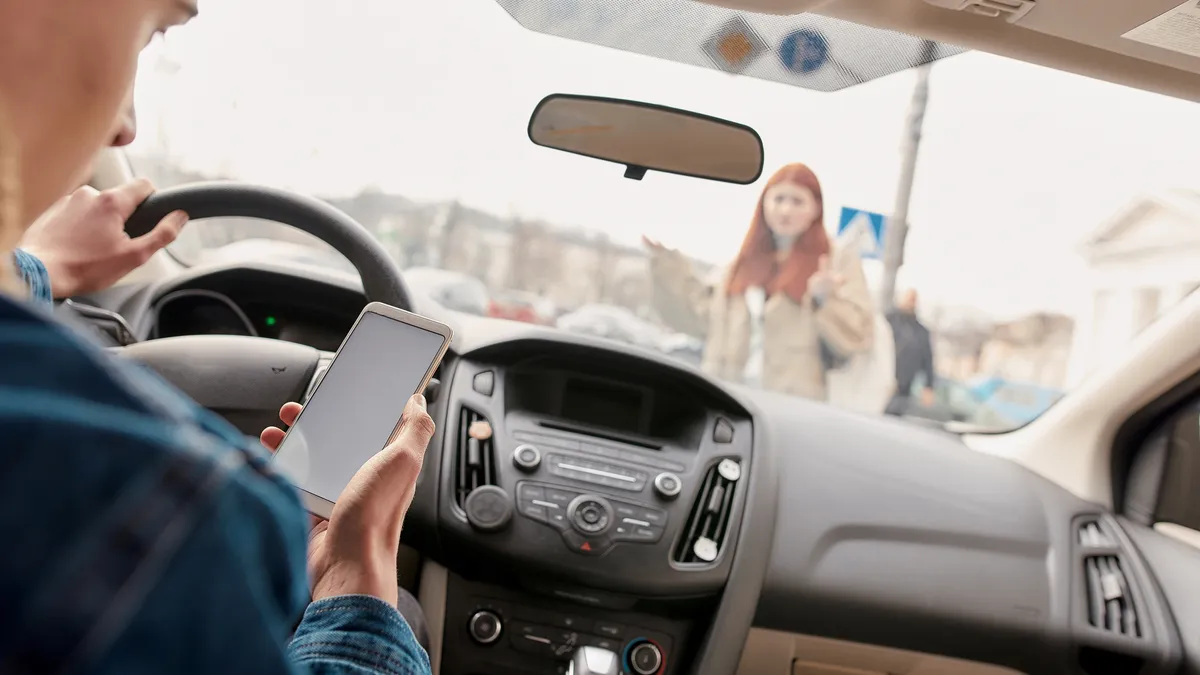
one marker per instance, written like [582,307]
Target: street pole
[897,225]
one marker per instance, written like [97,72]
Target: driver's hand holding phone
[356,448]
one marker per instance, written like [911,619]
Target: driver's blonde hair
[10,209]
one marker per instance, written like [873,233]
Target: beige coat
[792,331]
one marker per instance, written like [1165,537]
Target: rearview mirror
[646,137]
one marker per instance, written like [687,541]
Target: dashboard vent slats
[474,459]
[1092,536]
[708,522]
[1110,603]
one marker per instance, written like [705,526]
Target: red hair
[756,264]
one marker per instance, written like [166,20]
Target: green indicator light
[270,321]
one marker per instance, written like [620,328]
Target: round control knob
[668,485]
[645,658]
[489,508]
[590,514]
[484,627]
[527,458]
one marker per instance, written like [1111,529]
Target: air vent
[1091,535]
[708,523]
[474,456]
[1110,602]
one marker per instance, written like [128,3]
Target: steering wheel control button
[645,658]
[484,383]
[723,432]
[527,458]
[485,627]
[586,545]
[489,508]
[590,514]
[730,470]
[668,485]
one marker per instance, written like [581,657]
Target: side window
[1164,480]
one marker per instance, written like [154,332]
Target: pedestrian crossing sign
[863,231]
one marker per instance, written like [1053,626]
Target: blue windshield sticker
[804,51]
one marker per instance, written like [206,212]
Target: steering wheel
[247,379]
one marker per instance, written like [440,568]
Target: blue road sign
[804,51]
[863,230]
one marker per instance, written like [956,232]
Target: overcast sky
[431,100]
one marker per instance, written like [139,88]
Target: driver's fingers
[271,437]
[399,463]
[152,242]
[289,412]
[126,198]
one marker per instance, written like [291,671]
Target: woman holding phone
[151,538]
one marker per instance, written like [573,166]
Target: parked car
[521,306]
[453,290]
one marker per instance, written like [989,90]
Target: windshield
[1051,217]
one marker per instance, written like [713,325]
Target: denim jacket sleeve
[153,536]
[35,276]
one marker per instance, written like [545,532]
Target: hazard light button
[586,545]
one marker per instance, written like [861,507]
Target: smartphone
[354,411]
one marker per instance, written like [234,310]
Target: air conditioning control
[590,514]
[645,658]
[485,627]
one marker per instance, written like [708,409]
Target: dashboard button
[586,545]
[653,516]
[645,658]
[561,497]
[527,458]
[534,511]
[668,485]
[484,383]
[590,514]
[527,492]
[626,511]
[611,630]
[484,627]
[558,518]
[647,533]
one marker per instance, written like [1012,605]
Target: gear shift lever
[594,661]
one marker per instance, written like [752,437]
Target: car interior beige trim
[1179,533]
[432,596]
[770,652]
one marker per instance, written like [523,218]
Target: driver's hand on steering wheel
[82,242]
[354,552]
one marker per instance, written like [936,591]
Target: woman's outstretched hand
[354,552]
[824,281]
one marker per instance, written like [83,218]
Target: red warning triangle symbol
[585,546]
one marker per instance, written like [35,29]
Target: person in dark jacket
[914,354]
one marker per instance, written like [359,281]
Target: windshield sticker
[1177,30]
[735,46]
[804,51]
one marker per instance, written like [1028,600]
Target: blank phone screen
[357,404]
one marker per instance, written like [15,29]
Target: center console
[585,505]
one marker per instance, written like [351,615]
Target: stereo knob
[668,485]
[527,458]
[645,658]
[485,627]
[590,514]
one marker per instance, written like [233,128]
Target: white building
[1140,264]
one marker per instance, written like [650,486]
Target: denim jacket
[142,534]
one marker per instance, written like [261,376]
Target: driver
[144,534]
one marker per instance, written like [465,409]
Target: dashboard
[630,502]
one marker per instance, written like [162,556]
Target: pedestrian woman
[789,309]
